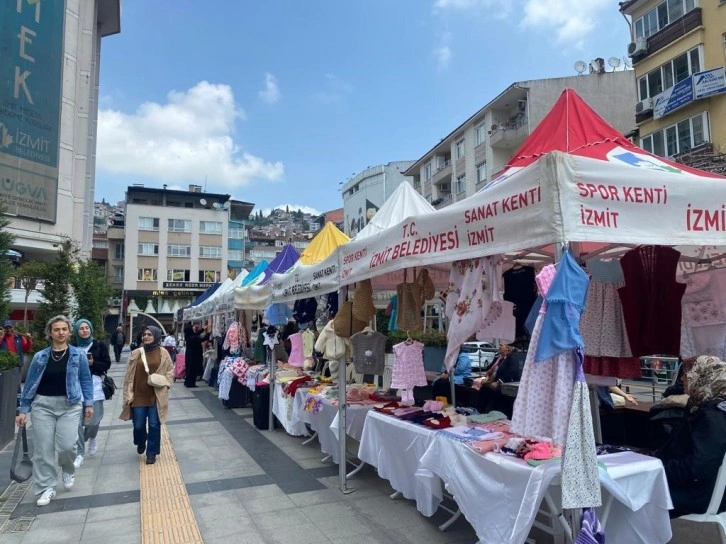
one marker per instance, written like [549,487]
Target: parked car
[481,354]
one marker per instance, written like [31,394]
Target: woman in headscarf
[142,402]
[99,361]
[695,451]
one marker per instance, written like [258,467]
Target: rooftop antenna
[614,63]
[628,63]
[580,67]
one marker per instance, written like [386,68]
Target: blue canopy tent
[281,263]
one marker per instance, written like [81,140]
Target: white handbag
[154,380]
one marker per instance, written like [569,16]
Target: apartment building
[365,193]
[677,48]
[176,243]
[49,74]
[478,149]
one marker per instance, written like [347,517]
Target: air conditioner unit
[638,47]
[644,106]
[115,302]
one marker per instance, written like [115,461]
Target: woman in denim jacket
[58,382]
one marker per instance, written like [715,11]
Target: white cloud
[188,138]
[570,20]
[334,90]
[292,207]
[442,55]
[271,92]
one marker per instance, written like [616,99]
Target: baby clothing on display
[369,352]
[408,368]
[296,357]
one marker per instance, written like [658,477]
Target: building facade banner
[31,68]
[670,100]
[709,83]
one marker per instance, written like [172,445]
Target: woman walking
[57,387]
[99,361]
[144,402]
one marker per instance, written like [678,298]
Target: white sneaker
[68,480]
[45,497]
[78,461]
[92,446]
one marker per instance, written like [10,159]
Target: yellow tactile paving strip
[166,513]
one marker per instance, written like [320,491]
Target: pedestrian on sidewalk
[194,337]
[58,384]
[99,361]
[143,403]
[119,341]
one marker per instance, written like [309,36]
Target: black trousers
[117,352]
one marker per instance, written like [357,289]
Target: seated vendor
[694,453]
[506,368]
[440,386]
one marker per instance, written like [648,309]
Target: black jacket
[101,357]
[693,456]
[509,370]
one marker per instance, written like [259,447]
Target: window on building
[481,172]
[178,250]
[480,133]
[236,234]
[459,148]
[180,225]
[427,172]
[210,227]
[176,274]
[210,252]
[210,275]
[672,72]
[147,274]
[678,138]
[148,249]
[234,255]
[148,223]
[460,184]
[661,16]
[118,273]
[118,251]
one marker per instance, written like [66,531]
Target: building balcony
[442,201]
[668,34]
[442,172]
[509,135]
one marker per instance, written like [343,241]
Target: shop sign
[187,285]
[709,83]
[681,94]
[31,64]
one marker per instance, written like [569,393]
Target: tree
[91,293]
[56,296]
[6,265]
[30,274]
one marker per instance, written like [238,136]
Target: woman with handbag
[99,361]
[56,390]
[146,392]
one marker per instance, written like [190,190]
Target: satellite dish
[614,62]
[226,205]
[580,66]
[203,201]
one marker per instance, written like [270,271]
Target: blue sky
[277,102]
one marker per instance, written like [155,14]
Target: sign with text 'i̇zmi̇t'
[31,65]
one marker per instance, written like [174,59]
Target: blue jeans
[152,438]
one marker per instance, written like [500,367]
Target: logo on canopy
[640,161]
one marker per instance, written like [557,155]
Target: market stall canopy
[249,295]
[256,274]
[193,310]
[589,184]
[404,202]
[281,263]
[317,270]
[323,244]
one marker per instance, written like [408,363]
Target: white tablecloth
[500,495]
[284,411]
[325,423]
[395,447]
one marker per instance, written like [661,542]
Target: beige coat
[162,393]
[333,347]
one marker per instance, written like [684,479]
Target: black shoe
[141,448]
[151,459]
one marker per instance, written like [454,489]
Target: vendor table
[325,423]
[501,495]
[285,412]
[395,447]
